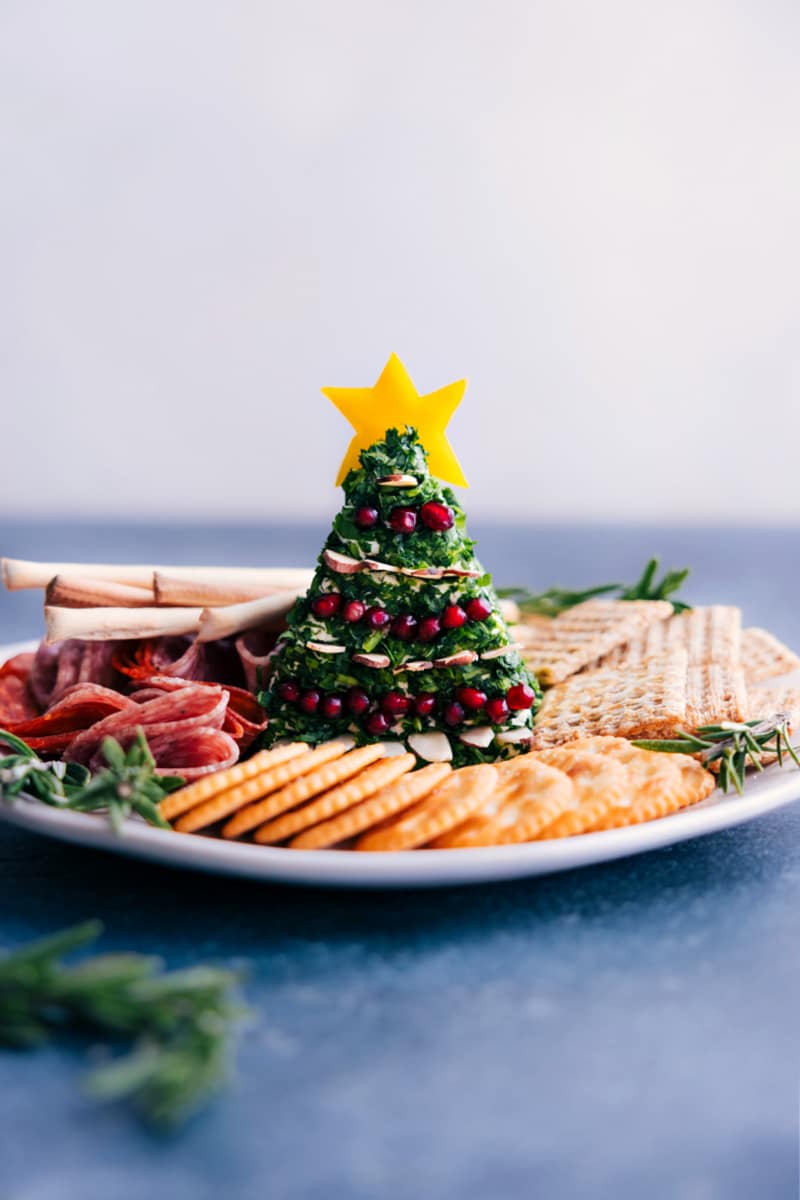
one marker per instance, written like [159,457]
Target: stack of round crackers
[334,796]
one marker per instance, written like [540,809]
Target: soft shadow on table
[146,904]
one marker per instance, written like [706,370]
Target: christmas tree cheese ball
[399,637]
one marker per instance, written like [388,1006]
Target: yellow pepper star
[392,403]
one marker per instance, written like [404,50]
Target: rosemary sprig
[647,587]
[180,1023]
[732,746]
[128,784]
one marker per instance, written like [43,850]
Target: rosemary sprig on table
[180,1023]
[127,785]
[555,600]
[733,746]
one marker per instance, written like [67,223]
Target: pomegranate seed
[471,698]
[496,710]
[377,724]
[424,704]
[454,617]
[366,518]
[354,611]
[520,696]
[378,618]
[403,520]
[405,627]
[478,609]
[288,691]
[429,629]
[357,701]
[309,701]
[395,704]
[437,517]
[327,605]
[332,706]
[452,714]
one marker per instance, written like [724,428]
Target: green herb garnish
[179,1022]
[127,785]
[733,746]
[556,600]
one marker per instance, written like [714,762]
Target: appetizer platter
[389,717]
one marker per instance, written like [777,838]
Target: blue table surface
[625,1030]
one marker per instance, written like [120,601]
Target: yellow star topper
[392,403]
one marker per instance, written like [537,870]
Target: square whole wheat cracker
[764,656]
[645,701]
[583,634]
[709,633]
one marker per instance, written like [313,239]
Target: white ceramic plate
[420,868]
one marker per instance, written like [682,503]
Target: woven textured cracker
[764,657]
[647,701]
[583,634]
[712,633]
[715,692]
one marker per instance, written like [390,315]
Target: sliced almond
[372,564]
[431,747]
[342,563]
[398,481]
[481,736]
[325,647]
[513,736]
[377,661]
[499,651]
[413,665]
[462,659]
[463,572]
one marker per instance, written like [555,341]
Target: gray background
[209,210]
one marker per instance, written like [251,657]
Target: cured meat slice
[245,718]
[43,673]
[80,708]
[190,754]
[199,662]
[16,701]
[255,650]
[175,713]
[59,667]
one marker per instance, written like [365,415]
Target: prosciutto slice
[57,668]
[255,650]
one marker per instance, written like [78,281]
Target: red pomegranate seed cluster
[406,626]
[435,516]
[392,705]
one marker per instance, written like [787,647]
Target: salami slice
[192,753]
[245,718]
[79,709]
[175,713]
[16,701]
